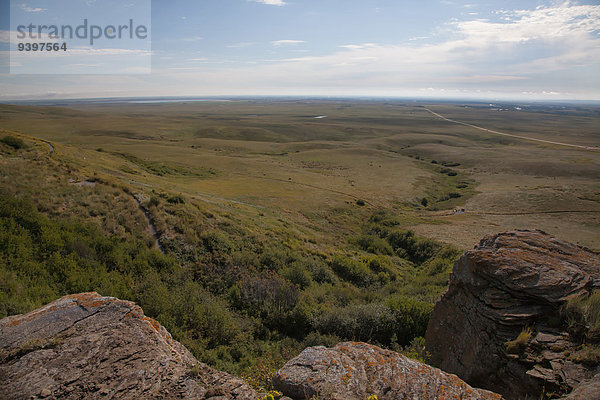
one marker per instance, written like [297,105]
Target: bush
[518,345]
[176,199]
[416,350]
[353,271]
[373,244]
[15,143]
[297,275]
[587,354]
[318,339]
[41,260]
[582,315]
[362,322]
[406,245]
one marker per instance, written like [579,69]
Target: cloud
[517,54]
[547,52]
[271,2]
[542,24]
[12,37]
[286,42]
[193,39]
[240,45]
[26,8]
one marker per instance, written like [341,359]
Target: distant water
[173,101]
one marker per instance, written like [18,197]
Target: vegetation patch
[14,142]
[519,345]
[164,169]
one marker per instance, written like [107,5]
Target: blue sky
[432,48]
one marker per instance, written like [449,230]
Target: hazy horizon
[437,49]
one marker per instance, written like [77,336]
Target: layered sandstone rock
[89,346]
[509,283]
[353,371]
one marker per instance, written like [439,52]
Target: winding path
[151,226]
[511,135]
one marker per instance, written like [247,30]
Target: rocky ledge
[354,371]
[89,346]
[511,289]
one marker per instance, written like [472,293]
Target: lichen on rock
[89,346]
[499,324]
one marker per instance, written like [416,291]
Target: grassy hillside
[244,291]
[279,230]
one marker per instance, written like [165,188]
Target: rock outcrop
[510,283]
[353,371]
[89,346]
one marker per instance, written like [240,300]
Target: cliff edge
[502,325]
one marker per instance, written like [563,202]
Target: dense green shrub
[373,244]
[353,271]
[239,302]
[42,259]
[14,142]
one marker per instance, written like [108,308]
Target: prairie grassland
[274,157]
[279,230]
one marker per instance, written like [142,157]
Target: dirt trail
[151,226]
[511,135]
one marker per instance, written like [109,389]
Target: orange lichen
[89,300]
[153,323]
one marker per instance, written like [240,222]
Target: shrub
[416,350]
[582,315]
[352,270]
[587,354]
[364,322]
[406,245]
[297,275]
[176,199]
[15,143]
[318,339]
[410,317]
[373,244]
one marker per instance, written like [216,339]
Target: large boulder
[89,346]
[353,371]
[514,283]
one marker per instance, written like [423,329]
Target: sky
[531,50]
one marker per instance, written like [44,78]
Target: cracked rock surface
[353,371]
[511,282]
[89,346]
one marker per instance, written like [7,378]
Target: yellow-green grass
[274,158]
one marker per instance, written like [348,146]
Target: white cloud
[540,24]
[286,42]
[26,8]
[536,53]
[193,39]
[13,38]
[240,45]
[271,2]
[514,55]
